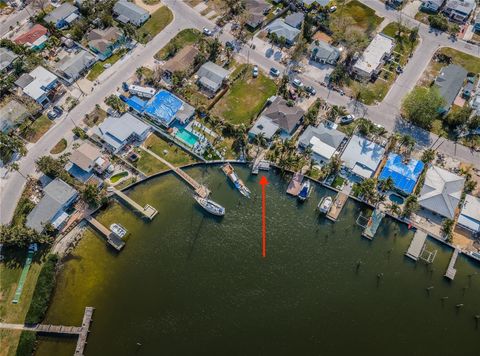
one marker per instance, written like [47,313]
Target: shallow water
[187,283]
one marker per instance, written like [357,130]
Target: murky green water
[190,284]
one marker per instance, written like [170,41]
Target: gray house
[63,15]
[287,118]
[128,12]
[263,126]
[282,30]
[57,199]
[324,53]
[211,76]
[72,67]
[7,58]
[450,82]
[295,19]
[432,5]
[323,140]
[459,10]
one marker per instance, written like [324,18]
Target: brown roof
[101,39]
[182,60]
[31,35]
[85,156]
[286,117]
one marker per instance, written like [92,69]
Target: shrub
[26,344]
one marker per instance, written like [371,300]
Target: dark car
[230,45]
[58,110]
[274,72]
[310,90]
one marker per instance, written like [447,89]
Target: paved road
[11,20]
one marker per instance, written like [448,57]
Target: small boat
[325,204]
[210,206]
[118,230]
[305,190]
[230,173]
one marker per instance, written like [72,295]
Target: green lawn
[148,164]
[156,23]
[32,131]
[126,183]
[96,117]
[363,16]
[59,147]
[174,155]
[115,178]
[246,98]
[183,38]
[98,68]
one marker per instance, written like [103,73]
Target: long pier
[337,206]
[113,240]
[451,270]
[80,331]
[148,211]
[199,189]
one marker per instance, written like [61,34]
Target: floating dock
[295,184]
[260,163]
[373,224]
[337,206]
[112,239]
[451,271]
[148,211]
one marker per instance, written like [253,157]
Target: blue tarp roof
[404,175]
[163,107]
[135,103]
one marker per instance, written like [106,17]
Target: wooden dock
[417,245]
[337,206]
[451,271]
[373,224]
[112,239]
[295,184]
[148,211]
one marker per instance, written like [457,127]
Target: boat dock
[337,206]
[260,163]
[112,239]
[199,189]
[373,224]
[295,184]
[417,248]
[451,271]
[148,211]
[80,331]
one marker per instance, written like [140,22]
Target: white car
[255,71]
[207,32]
[297,83]
[347,119]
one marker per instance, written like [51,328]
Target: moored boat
[118,230]
[325,204]
[210,206]
[237,182]
[305,190]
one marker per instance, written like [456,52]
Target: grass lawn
[338,182]
[59,147]
[98,68]
[363,16]
[245,98]
[183,38]
[175,155]
[148,164]
[95,117]
[115,178]
[422,16]
[151,2]
[126,183]
[32,131]
[156,23]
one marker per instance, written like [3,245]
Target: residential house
[128,12]
[324,53]
[52,209]
[7,58]
[256,11]
[264,127]
[287,118]
[476,24]
[35,38]
[324,141]
[72,67]
[39,85]
[295,19]
[371,61]
[12,114]
[180,62]
[459,10]
[449,82]
[85,161]
[433,6]
[117,132]
[105,42]
[469,217]
[280,30]
[441,192]
[404,173]
[211,76]
[362,156]
[165,108]
[63,15]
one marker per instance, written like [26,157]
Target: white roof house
[323,140]
[441,192]
[372,58]
[263,126]
[38,83]
[362,156]
[470,215]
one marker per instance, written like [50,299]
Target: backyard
[364,18]
[246,97]
[98,68]
[183,38]
[32,131]
[174,154]
[156,23]
[147,163]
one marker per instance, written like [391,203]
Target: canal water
[191,284]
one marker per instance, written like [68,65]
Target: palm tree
[428,155]
[408,142]
[394,209]
[387,184]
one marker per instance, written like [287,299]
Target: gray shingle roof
[286,117]
[324,51]
[281,29]
[450,81]
[212,74]
[295,19]
[463,6]
[130,11]
[6,58]
[61,12]
[73,66]
[326,134]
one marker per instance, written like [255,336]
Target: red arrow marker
[263,183]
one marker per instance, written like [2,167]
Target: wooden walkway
[373,224]
[199,189]
[451,271]
[337,206]
[148,211]
[113,240]
[417,245]
[295,184]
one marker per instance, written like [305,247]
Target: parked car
[230,45]
[332,8]
[293,94]
[297,83]
[255,71]
[52,115]
[58,110]
[310,90]
[347,119]
[399,70]
[207,32]
[274,72]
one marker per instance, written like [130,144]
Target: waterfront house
[7,58]
[404,173]
[432,6]
[63,15]
[282,30]
[324,141]
[70,68]
[165,108]
[459,10]
[263,126]
[441,192]
[39,85]
[372,59]
[52,209]
[295,19]
[324,53]
[85,161]
[128,12]
[180,62]
[287,118]
[211,76]
[105,42]
[12,114]
[117,132]
[469,217]
[362,156]
[35,38]
[449,82]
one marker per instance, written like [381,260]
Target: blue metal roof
[404,175]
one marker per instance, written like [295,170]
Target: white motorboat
[325,204]
[305,190]
[118,230]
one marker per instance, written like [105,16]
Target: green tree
[9,145]
[93,196]
[20,236]
[421,106]
[447,229]
[386,184]
[214,49]
[458,118]
[428,155]
[411,205]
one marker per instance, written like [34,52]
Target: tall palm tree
[387,184]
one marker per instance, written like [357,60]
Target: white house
[469,217]
[372,59]
[362,156]
[38,84]
[323,140]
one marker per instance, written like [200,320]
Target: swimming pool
[187,137]
[396,198]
